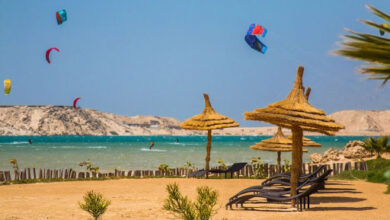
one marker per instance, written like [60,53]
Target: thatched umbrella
[208,120]
[280,143]
[296,113]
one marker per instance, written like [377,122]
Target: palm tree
[373,49]
[379,145]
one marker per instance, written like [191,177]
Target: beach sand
[144,198]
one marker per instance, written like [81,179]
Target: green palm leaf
[374,50]
[377,145]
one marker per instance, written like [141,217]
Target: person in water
[151,145]
[29,141]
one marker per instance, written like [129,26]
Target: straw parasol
[307,142]
[296,113]
[280,143]
[208,120]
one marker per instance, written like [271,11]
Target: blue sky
[158,57]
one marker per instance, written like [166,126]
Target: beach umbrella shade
[296,113]
[208,120]
[279,143]
[306,142]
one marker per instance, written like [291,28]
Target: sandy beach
[143,199]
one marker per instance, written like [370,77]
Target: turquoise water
[132,152]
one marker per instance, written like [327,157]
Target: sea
[132,152]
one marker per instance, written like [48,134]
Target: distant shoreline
[52,120]
[190,135]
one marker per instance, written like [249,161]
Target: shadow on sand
[335,199]
[338,190]
[253,205]
[338,183]
[289,209]
[341,208]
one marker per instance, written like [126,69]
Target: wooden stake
[279,167]
[208,152]
[208,149]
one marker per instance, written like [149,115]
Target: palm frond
[375,50]
[381,27]
[378,12]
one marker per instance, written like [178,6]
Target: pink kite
[75,102]
[48,53]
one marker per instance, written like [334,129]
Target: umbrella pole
[208,152]
[297,135]
[300,159]
[279,166]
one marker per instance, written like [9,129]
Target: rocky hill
[64,120]
[363,122]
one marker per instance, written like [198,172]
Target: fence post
[348,166]
[16,174]
[7,175]
[266,169]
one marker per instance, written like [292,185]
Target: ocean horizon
[132,152]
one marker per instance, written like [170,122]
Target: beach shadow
[272,209]
[339,191]
[334,199]
[336,183]
[265,209]
[264,206]
[341,208]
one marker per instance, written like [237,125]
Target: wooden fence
[249,170]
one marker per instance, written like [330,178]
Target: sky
[144,57]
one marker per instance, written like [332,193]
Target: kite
[255,29]
[385,25]
[253,41]
[75,102]
[61,16]
[7,86]
[48,53]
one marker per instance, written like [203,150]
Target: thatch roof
[275,148]
[280,143]
[295,110]
[307,142]
[208,119]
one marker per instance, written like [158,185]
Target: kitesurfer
[151,145]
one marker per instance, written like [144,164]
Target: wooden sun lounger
[263,188]
[236,167]
[198,173]
[301,198]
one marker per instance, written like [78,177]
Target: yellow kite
[7,86]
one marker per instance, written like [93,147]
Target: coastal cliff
[64,120]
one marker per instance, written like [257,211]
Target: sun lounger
[236,167]
[284,178]
[198,173]
[263,188]
[287,175]
[301,198]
